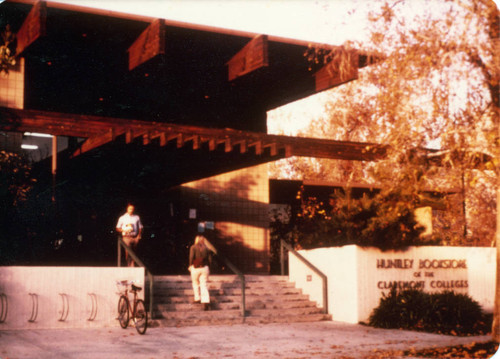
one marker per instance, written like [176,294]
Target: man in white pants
[199,262]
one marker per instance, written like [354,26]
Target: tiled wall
[237,203]
[12,95]
[12,86]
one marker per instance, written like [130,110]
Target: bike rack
[65,307]
[34,307]
[4,307]
[93,310]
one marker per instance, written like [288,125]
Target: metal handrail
[235,271]
[140,263]
[311,266]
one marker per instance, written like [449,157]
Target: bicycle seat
[136,288]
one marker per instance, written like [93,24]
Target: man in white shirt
[130,226]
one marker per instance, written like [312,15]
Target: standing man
[130,226]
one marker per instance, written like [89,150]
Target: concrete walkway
[296,340]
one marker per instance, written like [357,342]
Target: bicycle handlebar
[126,283]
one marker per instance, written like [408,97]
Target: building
[169,115]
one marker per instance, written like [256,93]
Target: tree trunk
[495,95]
[495,330]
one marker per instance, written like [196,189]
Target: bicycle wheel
[123,315]
[140,317]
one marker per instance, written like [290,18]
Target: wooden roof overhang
[201,93]
[173,145]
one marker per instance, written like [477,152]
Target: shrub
[446,312]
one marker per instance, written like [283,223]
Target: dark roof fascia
[173,23]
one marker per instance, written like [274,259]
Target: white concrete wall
[76,283]
[339,265]
[358,277]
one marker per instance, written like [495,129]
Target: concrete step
[235,303]
[223,278]
[235,318]
[233,298]
[172,292]
[219,284]
[268,299]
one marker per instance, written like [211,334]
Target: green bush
[445,312]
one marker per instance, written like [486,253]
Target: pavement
[325,339]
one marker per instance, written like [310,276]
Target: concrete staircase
[269,299]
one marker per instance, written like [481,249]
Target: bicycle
[126,311]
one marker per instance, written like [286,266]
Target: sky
[324,21]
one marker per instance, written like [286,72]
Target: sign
[428,274]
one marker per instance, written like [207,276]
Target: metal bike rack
[34,307]
[93,310]
[65,307]
[3,307]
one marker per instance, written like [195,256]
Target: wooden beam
[132,133]
[321,148]
[149,44]
[33,27]
[146,138]
[95,141]
[212,144]
[228,147]
[242,144]
[342,69]
[180,140]
[195,139]
[163,139]
[273,148]
[252,57]
[258,147]
[97,128]
[129,136]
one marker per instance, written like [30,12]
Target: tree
[15,183]
[383,220]
[7,49]
[434,85]
[429,87]
[451,65]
